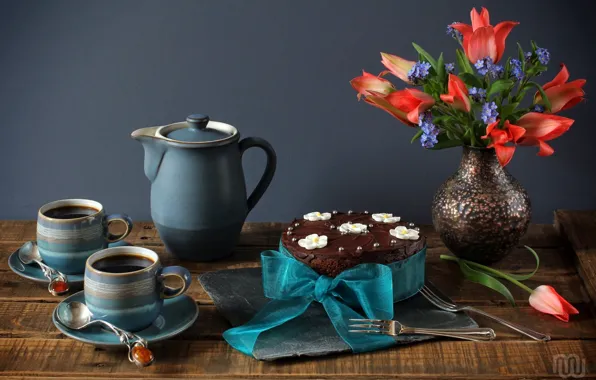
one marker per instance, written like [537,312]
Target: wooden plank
[554,261]
[31,320]
[444,275]
[580,229]
[210,359]
[265,234]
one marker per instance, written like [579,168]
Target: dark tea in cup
[70,212]
[122,263]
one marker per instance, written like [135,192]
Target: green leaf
[499,86]
[441,119]
[523,277]
[521,56]
[534,47]
[444,142]
[520,96]
[416,136]
[507,73]
[542,93]
[426,56]
[486,280]
[520,53]
[463,63]
[441,73]
[507,110]
[471,80]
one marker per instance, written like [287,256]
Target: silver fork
[395,328]
[442,304]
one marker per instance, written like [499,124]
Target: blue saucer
[33,272]
[177,315]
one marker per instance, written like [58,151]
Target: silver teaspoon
[77,316]
[29,254]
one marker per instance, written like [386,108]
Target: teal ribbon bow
[293,286]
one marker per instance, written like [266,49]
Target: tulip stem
[489,270]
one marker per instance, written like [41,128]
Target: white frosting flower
[314,216]
[385,218]
[353,228]
[313,241]
[404,233]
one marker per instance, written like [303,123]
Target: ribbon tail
[339,313]
[275,313]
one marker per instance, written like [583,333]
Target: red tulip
[405,105]
[368,84]
[500,137]
[457,94]
[397,66]
[481,39]
[542,127]
[545,299]
[562,95]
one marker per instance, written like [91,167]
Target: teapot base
[207,244]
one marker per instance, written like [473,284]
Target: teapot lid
[198,129]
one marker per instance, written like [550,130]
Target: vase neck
[478,160]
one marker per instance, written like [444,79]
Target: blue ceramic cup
[125,286]
[71,230]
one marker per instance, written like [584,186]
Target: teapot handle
[265,180]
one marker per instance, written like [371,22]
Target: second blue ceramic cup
[124,286]
[71,230]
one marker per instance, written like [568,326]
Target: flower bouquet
[481,211]
[481,104]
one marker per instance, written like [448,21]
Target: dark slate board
[238,295]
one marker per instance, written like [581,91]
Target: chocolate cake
[333,242]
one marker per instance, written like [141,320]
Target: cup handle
[122,218]
[182,273]
[263,184]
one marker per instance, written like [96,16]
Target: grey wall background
[76,77]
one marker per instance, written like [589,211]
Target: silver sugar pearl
[376,245]
[340,249]
[359,249]
[332,226]
[417,228]
[289,232]
[370,225]
[294,239]
[334,212]
[343,232]
[290,228]
[411,225]
[350,212]
[366,212]
[296,224]
[393,241]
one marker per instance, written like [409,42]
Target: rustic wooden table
[30,345]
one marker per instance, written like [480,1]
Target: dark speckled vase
[481,211]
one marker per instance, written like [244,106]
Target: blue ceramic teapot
[198,194]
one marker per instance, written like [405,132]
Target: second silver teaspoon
[77,316]
[29,254]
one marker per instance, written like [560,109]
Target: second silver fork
[395,328]
[438,301]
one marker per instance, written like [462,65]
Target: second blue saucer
[177,315]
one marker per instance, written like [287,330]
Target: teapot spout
[154,148]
